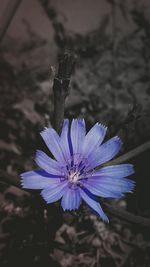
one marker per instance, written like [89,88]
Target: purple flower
[72,176]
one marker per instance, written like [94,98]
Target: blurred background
[110,84]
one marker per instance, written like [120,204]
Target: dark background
[110,84]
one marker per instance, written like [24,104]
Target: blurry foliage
[111,84]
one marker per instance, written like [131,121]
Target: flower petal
[105,152]
[64,140]
[93,138]
[54,192]
[116,171]
[37,179]
[94,205]
[109,186]
[53,142]
[77,135]
[71,199]
[46,163]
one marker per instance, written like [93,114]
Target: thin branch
[61,87]
[8,16]
[131,154]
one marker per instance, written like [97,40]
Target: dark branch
[61,87]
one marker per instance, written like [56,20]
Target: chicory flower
[72,176]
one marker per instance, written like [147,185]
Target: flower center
[75,170]
[73,177]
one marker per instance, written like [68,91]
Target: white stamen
[74,177]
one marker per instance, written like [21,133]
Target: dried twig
[61,87]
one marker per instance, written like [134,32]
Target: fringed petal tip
[79,121]
[22,182]
[44,131]
[105,219]
[102,217]
[102,125]
[24,174]
[132,186]
[117,138]
[69,209]
[21,175]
